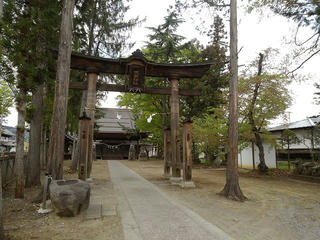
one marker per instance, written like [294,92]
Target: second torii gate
[136,68]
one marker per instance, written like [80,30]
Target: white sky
[255,34]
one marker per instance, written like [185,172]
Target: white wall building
[304,130]
[248,158]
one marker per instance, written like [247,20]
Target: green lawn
[284,165]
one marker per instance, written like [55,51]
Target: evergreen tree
[28,30]
[215,80]
[101,28]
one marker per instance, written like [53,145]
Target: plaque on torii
[135,72]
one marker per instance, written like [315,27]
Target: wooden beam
[119,66]
[122,88]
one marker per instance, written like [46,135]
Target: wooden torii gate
[136,68]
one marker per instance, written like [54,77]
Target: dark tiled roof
[114,120]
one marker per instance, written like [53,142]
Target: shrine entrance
[136,68]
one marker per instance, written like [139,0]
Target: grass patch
[284,165]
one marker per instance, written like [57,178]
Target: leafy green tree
[210,133]
[147,106]
[262,97]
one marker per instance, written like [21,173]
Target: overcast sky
[256,33]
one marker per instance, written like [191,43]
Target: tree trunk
[33,165]
[43,149]
[232,188]
[57,135]
[288,149]
[1,224]
[76,156]
[312,145]
[19,161]
[262,165]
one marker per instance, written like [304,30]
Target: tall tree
[29,27]
[1,224]
[57,135]
[33,163]
[15,55]
[232,188]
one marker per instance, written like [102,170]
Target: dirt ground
[279,208]
[22,222]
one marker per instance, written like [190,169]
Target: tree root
[233,192]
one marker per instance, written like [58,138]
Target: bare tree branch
[307,59]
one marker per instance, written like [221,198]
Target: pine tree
[165,46]
[215,80]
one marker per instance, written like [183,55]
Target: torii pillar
[175,140]
[92,76]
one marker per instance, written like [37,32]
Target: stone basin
[69,197]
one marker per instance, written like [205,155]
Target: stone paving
[148,214]
[102,201]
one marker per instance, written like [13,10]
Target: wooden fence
[7,168]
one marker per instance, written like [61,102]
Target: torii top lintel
[119,66]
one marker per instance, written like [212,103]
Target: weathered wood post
[187,157]
[167,153]
[84,140]
[175,146]
[90,108]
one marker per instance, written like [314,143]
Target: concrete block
[189,184]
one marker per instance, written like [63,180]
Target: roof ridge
[311,121]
